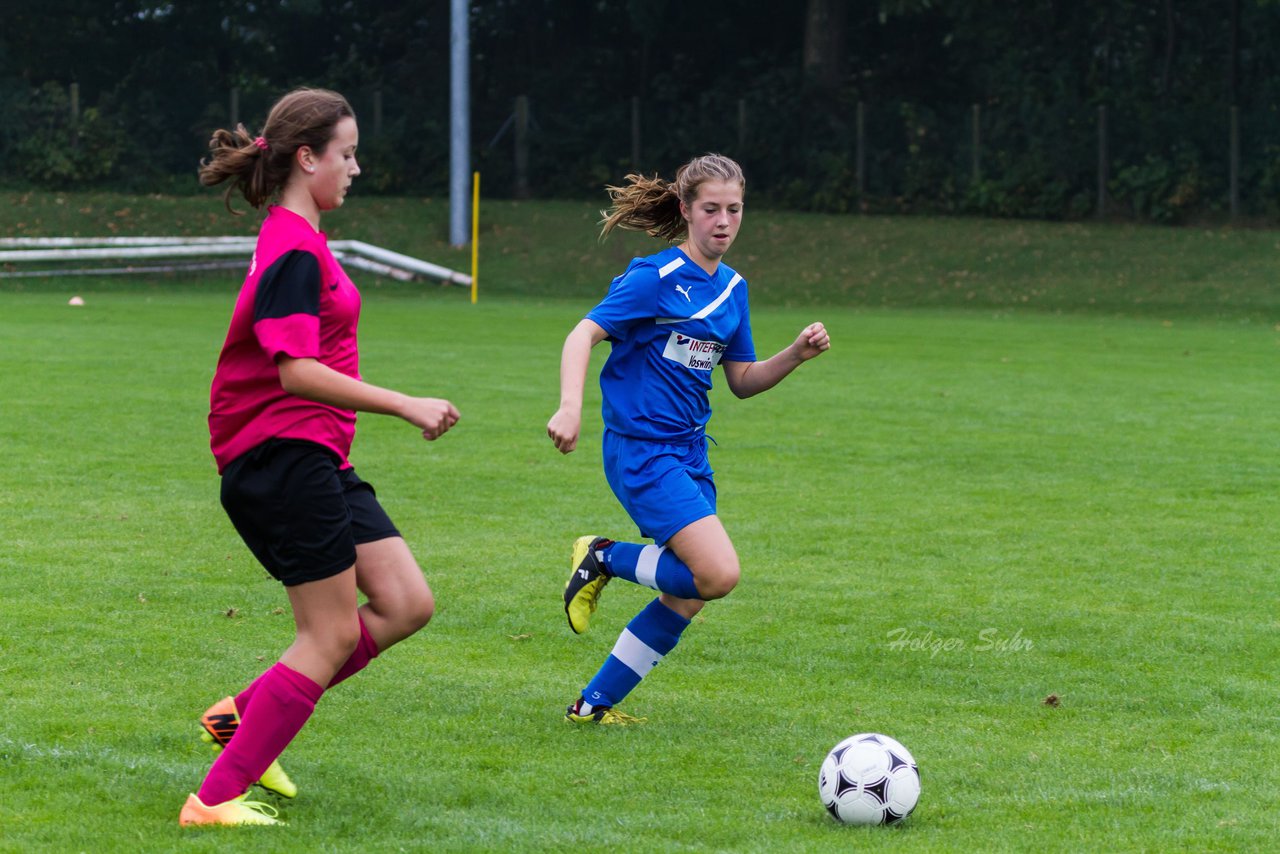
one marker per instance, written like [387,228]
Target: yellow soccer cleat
[587,579]
[605,715]
[233,812]
[220,722]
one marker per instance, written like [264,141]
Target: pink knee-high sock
[243,698]
[282,702]
[366,650]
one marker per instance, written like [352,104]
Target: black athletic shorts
[301,515]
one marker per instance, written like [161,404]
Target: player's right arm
[564,426]
[286,323]
[313,380]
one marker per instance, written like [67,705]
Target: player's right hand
[563,429]
[432,415]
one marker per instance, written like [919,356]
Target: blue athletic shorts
[663,487]
[301,515]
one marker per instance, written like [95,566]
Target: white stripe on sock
[647,566]
[635,653]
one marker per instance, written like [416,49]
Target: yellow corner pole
[475,235]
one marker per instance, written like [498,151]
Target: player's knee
[419,610]
[406,612]
[720,581]
[338,642]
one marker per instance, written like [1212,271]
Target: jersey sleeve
[286,308]
[632,299]
[741,347]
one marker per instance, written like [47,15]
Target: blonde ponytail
[652,205]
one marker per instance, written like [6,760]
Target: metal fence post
[522,146]
[860,149]
[742,125]
[1102,161]
[1234,161]
[635,132]
[977,144]
[459,120]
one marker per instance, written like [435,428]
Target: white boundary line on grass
[32,751]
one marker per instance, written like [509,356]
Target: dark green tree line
[781,86]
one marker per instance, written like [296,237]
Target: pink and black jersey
[296,301]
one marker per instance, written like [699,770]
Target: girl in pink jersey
[282,416]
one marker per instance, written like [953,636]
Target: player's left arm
[750,378]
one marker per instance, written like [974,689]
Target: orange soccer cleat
[233,812]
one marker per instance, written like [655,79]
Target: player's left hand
[812,341]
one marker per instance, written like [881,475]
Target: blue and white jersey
[670,324]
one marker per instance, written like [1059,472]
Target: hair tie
[261,143]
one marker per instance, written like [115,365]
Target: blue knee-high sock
[649,636]
[655,567]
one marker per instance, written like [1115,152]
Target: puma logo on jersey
[685,291]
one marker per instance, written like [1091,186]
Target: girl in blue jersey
[671,318]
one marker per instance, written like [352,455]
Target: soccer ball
[869,779]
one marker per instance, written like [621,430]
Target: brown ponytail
[259,166]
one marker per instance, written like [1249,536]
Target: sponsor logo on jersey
[693,353]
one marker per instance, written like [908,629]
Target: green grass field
[967,506]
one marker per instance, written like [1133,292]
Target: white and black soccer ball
[869,779]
